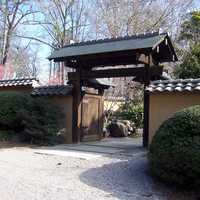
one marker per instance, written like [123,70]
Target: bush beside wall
[33,120]
[175,150]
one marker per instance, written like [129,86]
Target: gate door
[92,118]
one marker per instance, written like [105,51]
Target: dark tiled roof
[114,39]
[57,90]
[146,41]
[18,82]
[179,85]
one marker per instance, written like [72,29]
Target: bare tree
[64,21]
[25,61]
[61,21]
[13,13]
[116,18]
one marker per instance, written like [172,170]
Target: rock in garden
[118,129]
[130,126]
[106,132]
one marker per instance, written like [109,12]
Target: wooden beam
[77,109]
[143,59]
[107,73]
[146,104]
[107,59]
[155,71]
[119,72]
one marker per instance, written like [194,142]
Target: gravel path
[27,175]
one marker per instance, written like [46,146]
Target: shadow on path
[130,180]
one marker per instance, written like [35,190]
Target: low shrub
[34,120]
[175,150]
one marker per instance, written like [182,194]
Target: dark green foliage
[133,112]
[175,150]
[190,29]
[34,120]
[6,135]
[190,67]
[190,37]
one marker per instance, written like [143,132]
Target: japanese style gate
[144,51]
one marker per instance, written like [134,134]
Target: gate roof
[116,51]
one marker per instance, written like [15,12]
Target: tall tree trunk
[6,46]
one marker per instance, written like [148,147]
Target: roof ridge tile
[179,85]
[126,37]
[17,82]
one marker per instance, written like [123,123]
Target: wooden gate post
[146,104]
[77,104]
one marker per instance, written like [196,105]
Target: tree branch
[36,39]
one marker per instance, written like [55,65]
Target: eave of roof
[19,82]
[143,42]
[177,85]
[53,90]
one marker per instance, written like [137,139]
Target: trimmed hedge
[175,150]
[34,120]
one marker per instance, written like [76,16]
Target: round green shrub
[34,120]
[175,150]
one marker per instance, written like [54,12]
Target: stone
[130,126]
[118,129]
[106,133]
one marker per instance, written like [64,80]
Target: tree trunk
[6,46]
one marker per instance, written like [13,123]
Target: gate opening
[137,56]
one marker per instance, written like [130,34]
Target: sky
[197,4]
[42,50]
